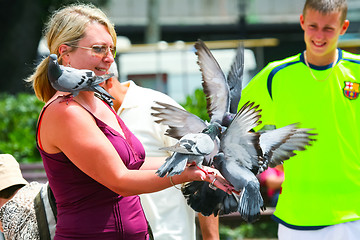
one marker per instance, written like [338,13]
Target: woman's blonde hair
[66,26]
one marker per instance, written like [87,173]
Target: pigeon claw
[68,98]
[206,172]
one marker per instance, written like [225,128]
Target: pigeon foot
[67,98]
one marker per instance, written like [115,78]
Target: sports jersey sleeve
[257,91]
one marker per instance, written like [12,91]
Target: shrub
[196,104]
[19,114]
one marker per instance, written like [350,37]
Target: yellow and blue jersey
[322,184]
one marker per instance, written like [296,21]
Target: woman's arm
[153,163]
[73,131]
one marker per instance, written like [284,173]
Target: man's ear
[344,27]
[302,21]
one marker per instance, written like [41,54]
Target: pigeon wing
[234,79]
[74,79]
[238,142]
[279,145]
[194,144]
[102,91]
[213,82]
[180,122]
[99,79]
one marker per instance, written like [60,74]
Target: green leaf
[19,114]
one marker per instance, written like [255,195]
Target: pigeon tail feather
[174,165]
[251,202]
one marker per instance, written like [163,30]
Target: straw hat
[10,173]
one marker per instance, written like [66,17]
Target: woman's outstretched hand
[213,176]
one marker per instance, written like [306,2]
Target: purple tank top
[85,208]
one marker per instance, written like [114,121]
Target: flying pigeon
[222,93]
[239,148]
[244,142]
[190,149]
[67,79]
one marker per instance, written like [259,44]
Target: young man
[17,213]
[319,88]
[167,211]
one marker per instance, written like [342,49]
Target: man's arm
[209,227]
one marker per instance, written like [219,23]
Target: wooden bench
[234,219]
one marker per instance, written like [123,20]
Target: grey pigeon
[237,144]
[238,156]
[190,149]
[240,166]
[68,79]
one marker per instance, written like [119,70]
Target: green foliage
[196,104]
[18,114]
[258,230]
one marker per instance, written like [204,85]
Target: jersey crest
[351,90]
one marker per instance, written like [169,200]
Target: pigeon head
[54,71]
[213,130]
[218,160]
[227,119]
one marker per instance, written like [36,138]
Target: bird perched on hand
[192,148]
[68,79]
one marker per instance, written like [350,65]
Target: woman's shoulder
[64,106]
[64,113]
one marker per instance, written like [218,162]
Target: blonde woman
[91,158]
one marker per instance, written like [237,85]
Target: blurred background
[154,49]
[155,46]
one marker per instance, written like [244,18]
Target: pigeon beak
[222,129]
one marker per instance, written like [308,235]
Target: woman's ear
[63,51]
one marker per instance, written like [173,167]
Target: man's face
[321,32]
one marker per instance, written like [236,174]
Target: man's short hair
[327,6]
